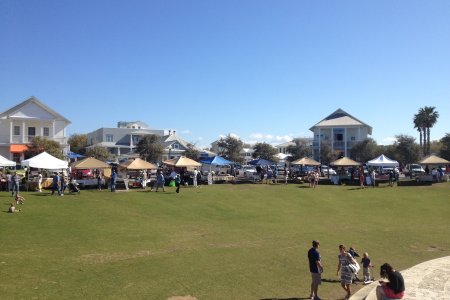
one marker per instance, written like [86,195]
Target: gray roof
[340,118]
[37,102]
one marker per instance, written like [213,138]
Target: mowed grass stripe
[246,241]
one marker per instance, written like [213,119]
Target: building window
[175,146]
[16,157]
[32,131]
[16,130]
[109,137]
[46,131]
[339,137]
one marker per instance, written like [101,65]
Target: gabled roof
[170,139]
[340,118]
[32,101]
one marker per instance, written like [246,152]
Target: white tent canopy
[45,161]
[4,162]
[382,161]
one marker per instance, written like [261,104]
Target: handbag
[353,267]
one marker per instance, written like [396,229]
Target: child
[365,261]
[12,209]
[19,199]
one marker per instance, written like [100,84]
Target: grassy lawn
[245,241]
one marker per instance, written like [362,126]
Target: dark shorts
[316,278]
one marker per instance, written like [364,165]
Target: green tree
[231,148]
[192,152]
[365,150]
[407,150]
[326,154]
[150,148]
[100,153]
[265,151]
[78,143]
[40,145]
[299,150]
[445,149]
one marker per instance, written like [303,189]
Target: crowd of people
[347,270]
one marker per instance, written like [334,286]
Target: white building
[20,124]
[340,131]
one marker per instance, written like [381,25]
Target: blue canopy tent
[73,155]
[261,162]
[216,160]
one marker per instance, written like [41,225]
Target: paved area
[429,280]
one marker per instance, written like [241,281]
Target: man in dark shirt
[316,269]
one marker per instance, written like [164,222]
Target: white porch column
[332,139]
[345,141]
[23,133]
[11,131]
[53,130]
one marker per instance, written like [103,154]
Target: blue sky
[262,70]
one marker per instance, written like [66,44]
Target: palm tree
[419,124]
[428,117]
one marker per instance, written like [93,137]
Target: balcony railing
[337,145]
[19,139]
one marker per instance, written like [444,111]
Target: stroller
[73,187]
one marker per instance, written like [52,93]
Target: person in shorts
[395,288]
[316,269]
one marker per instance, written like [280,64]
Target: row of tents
[47,161]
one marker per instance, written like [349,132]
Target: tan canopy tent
[89,163]
[306,161]
[434,160]
[138,164]
[182,161]
[345,162]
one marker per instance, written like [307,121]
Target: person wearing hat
[316,269]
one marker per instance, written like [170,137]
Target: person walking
[40,182]
[316,269]
[15,184]
[56,186]
[194,179]
[160,181]
[345,259]
[9,181]
[99,180]
[113,180]
[395,288]
[178,182]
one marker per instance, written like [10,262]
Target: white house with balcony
[20,124]
[122,140]
[340,131]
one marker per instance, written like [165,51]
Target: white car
[414,169]
[246,172]
[326,170]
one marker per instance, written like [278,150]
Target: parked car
[246,171]
[413,169]
[326,170]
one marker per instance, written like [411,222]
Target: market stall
[136,170]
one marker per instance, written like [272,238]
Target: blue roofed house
[340,131]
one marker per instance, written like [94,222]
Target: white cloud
[389,140]
[268,138]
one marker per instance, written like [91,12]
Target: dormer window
[175,146]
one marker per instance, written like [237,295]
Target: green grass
[244,241]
